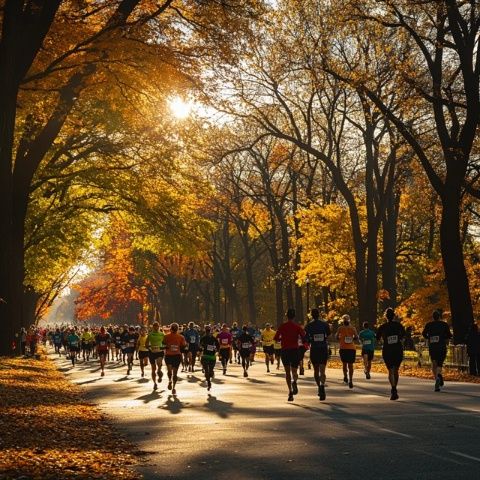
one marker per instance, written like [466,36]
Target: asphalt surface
[245,428]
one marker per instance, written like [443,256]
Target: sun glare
[180,108]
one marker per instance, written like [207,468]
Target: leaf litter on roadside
[48,431]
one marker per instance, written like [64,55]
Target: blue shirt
[367,337]
[192,337]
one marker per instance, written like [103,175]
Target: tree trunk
[389,254]
[454,266]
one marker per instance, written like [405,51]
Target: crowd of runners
[189,347]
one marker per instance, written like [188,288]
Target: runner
[124,336]
[130,340]
[174,345]
[288,333]
[346,335]
[225,339]
[317,332]
[155,346]
[392,333]
[117,340]
[102,341]
[142,349]
[277,348]
[236,332]
[303,346]
[57,341]
[245,342]
[192,338]
[209,346]
[437,332]
[86,340]
[268,335]
[73,341]
[367,338]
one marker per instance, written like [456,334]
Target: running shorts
[290,357]
[348,355]
[173,360]
[153,356]
[319,356]
[368,352]
[224,353]
[438,354]
[143,354]
[128,350]
[392,359]
[245,352]
[268,350]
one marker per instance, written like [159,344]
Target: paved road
[246,429]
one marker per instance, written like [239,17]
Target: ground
[246,429]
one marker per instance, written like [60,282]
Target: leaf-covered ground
[48,431]
[411,370]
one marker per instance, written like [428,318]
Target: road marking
[464,455]
[396,433]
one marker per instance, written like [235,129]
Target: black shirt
[391,333]
[437,332]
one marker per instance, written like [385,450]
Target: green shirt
[367,337]
[155,341]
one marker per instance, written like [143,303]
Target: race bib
[74,343]
[434,339]
[319,337]
[246,345]
[174,348]
[103,343]
[131,343]
[348,339]
[224,341]
[154,348]
[210,348]
[392,339]
[193,339]
[367,342]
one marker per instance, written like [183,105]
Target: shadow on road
[222,409]
[173,405]
[155,395]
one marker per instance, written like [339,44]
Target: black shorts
[103,353]
[393,358]
[128,350]
[348,355]
[369,353]
[154,356]
[208,361]
[290,357]
[75,348]
[319,356]
[245,352]
[278,352]
[143,354]
[173,360]
[438,354]
[224,353]
[268,350]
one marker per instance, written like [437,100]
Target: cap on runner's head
[346,319]
[268,325]
[389,313]
[290,313]
[315,313]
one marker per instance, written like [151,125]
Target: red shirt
[288,334]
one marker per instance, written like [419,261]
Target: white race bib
[367,342]
[348,339]
[210,348]
[154,348]
[318,337]
[174,348]
[434,339]
[103,343]
[193,339]
[392,339]
[224,341]
[246,345]
[131,343]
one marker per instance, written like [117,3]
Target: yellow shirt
[141,343]
[267,337]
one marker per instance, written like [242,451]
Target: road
[245,428]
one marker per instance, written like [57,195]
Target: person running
[174,345]
[288,333]
[225,339]
[102,342]
[142,349]
[346,335]
[124,342]
[437,333]
[192,338]
[303,346]
[73,341]
[317,332]
[129,349]
[209,346]
[57,341]
[245,342]
[86,344]
[367,339]
[236,332]
[392,333]
[277,348]
[156,350]
[268,335]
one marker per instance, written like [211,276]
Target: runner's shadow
[86,382]
[143,380]
[173,405]
[194,379]
[218,381]
[222,409]
[254,380]
[155,395]
[123,379]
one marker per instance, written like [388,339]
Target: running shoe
[437,384]
[245,374]
[440,378]
[350,384]
[209,386]
[290,397]
[155,386]
[294,388]
[368,375]
[345,380]
[169,385]
[394,395]
[321,392]
[174,391]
